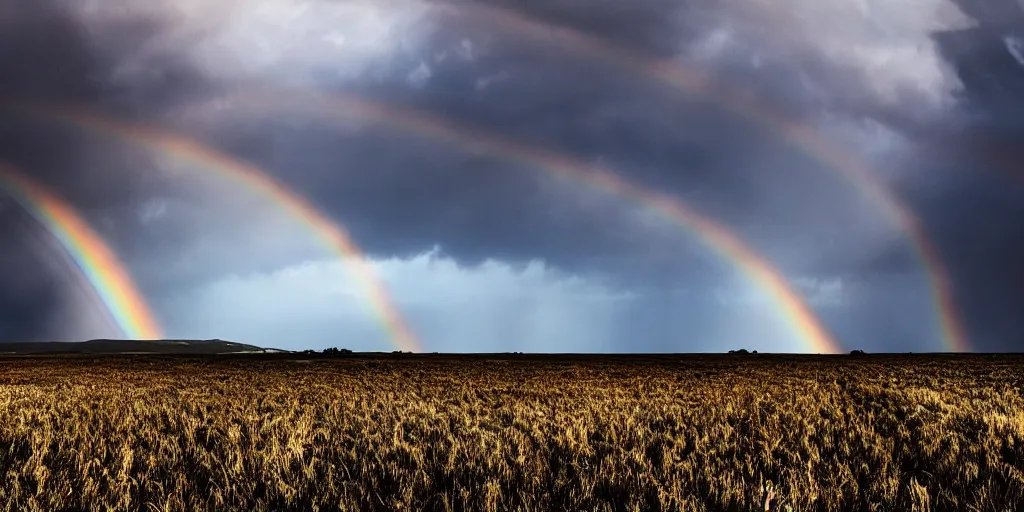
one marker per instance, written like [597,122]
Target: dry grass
[436,433]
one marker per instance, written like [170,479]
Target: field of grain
[512,433]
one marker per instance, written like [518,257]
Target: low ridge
[106,346]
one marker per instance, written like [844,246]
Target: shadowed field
[512,432]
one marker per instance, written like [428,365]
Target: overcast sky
[485,249]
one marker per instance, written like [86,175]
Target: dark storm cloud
[972,218]
[401,194]
[27,301]
[978,223]
[49,56]
[52,56]
[400,198]
[33,34]
[446,199]
[654,136]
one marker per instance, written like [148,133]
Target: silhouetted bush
[335,351]
[740,351]
[856,352]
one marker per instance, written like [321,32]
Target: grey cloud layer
[871,80]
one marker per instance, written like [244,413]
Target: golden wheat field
[512,433]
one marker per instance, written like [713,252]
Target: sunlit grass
[408,433]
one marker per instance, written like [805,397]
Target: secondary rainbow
[716,237]
[257,181]
[744,103]
[91,254]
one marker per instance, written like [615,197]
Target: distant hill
[131,347]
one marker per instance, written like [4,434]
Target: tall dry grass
[422,433]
